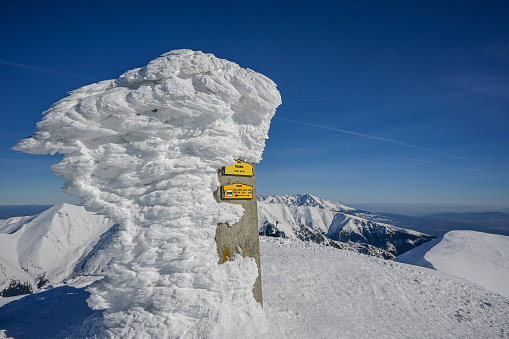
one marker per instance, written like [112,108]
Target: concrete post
[241,237]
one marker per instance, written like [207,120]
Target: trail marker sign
[239,168]
[237,191]
[238,186]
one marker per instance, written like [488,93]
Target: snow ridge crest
[305,200]
[311,218]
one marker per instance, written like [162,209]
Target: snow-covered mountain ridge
[62,242]
[41,250]
[305,200]
[310,218]
[475,256]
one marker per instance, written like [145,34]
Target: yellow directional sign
[239,168]
[237,191]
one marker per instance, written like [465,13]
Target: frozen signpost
[144,150]
[238,186]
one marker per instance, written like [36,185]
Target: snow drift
[314,291]
[479,257]
[144,150]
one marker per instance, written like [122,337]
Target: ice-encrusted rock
[144,150]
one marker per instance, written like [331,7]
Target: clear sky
[383,101]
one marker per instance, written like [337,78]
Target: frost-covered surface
[312,291]
[310,218]
[475,256]
[44,249]
[144,150]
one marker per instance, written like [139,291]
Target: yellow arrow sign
[237,191]
[239,168]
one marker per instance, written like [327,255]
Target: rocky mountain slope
[311,218]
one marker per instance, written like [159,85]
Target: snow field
[478,257]
[311,291]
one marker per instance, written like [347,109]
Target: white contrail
[373,137]
[5,62]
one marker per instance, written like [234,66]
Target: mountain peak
[44,249]
[305,216]
[305,200]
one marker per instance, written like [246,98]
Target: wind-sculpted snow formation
[144,150]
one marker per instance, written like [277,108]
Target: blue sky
[383,101]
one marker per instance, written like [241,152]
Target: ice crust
[144,150]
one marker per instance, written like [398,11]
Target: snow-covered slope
[44,249]
[308,222]
[475,256]
[310,218]
[312,291]
[305,200]
[294,210]
[393,239]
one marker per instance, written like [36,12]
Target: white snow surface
[311,291]
[479,257]
[47,247]
[144,150]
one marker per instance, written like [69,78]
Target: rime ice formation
[144,150]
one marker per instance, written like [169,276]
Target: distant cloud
[33,68]
[374,137]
